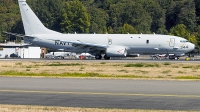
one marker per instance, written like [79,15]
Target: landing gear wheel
[98,57]
[106,57]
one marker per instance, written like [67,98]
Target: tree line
[171,17]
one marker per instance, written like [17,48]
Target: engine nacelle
[116,51]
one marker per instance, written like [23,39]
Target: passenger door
[172,42]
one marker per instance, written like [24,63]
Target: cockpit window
[184,41]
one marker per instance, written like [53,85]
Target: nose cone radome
[192,46]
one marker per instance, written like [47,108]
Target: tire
[106,57]
[98,57]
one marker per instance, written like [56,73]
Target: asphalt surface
[102,60]
[101,93]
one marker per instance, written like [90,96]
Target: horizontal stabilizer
[14,34]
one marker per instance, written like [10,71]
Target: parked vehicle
[13,55]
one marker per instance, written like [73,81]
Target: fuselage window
[147,42]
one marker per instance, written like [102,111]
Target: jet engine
[116,51]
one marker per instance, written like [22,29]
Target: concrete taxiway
[101,93]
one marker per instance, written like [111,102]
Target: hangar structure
[23,50]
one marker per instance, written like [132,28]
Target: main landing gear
[106,57]
[98,57]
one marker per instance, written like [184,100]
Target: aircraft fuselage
[135,43]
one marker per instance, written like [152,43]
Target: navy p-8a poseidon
[111,45]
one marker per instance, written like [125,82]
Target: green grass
[6,66]
[117,65]
[152,65]
[63,64]
[82,68]
[126,71]
[15,73]
[187,77]
[75,74]
[166,63]
[142,71]
[196,67]
[160,77]
[19,63]
[103,63]
[175,66]
[142,65]
[28,69]
[99,70]
[181,72]
[29,66]
[187,67]
[166,71]
[134,65]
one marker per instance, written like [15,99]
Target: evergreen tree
[156,12]
[179,17]
[110,30]
[180,30]
[187,15]
[48,11]
[197,6]
[128,29]
[99,19]
[193,39]
[181,12]
[130,12]
[9,15]
[74,18]
[198,36]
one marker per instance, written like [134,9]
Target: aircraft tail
[32,25]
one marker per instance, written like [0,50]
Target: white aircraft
[111,45]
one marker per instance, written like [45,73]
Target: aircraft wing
[84,45]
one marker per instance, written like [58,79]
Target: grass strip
[74,74]
[187,77]
[141,65]
[63,64]
[88,74]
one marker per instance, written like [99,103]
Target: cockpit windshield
[184,41]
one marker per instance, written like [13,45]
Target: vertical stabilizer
[32,25]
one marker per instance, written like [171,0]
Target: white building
[23,50]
